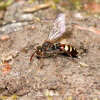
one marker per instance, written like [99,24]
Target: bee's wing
[59,27]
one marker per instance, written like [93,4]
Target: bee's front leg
[41,59]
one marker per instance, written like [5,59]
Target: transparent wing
[59,27]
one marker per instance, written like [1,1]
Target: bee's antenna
[32,56]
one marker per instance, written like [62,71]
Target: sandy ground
[70,78]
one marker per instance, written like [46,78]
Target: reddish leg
[32,56]
[69,54]
[41,59]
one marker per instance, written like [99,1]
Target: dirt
[71,78]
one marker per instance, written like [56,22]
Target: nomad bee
[48,47]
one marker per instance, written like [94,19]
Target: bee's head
[38,51]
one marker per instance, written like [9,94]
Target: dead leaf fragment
[38,7]
[92,6]
[6,69]
[9,55]
[4,37]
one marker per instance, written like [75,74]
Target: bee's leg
[69,54]
[32,56]
[41,60]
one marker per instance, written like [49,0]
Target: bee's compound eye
[39,50]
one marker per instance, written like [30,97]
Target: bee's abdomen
[68,49]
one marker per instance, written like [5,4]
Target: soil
[78,78]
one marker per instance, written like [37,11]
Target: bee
[48,47]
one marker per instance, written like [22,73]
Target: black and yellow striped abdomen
[71,51]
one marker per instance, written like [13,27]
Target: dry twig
[38,7]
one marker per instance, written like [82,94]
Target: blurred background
[22,11]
